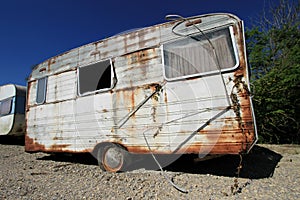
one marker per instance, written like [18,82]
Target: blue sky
[35,30]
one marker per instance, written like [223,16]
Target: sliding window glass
[41,90]
[5,106]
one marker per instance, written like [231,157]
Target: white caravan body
[12,110]
[172,88]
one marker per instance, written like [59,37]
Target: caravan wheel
[111,158]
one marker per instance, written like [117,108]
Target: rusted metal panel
[211,113]
[112,47]
[131,67]
[55,65]
[52,125]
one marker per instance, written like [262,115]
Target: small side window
[5,106]
[41,90]
[95,77]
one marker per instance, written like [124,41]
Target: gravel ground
[268,172]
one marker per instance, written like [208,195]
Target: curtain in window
[194,55]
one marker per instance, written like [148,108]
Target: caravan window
[95,77]
[41,90]
[5,106]
[194,55]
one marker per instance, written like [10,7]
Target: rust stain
[32,146]
[143,150]
[235,30]
[151,86]
[96,51]
[195,148]
[59,147]
[132,99]
[242,68]
[229,140]
[42,69]
[139,36]
[219,148]
[240,99]
[153,113]
[190,23]
[50,62]
[166,98]
[28,92]
[141,56]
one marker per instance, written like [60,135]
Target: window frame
[44,92]
[210,73]
[112,78]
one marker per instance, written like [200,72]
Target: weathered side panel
[51,128]
[31,94]
[61,87]
[171,118]
[130,69]
[100,117]
[53,123]
[55,65]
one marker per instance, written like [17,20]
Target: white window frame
[236,57]
[112,76]
[44,92]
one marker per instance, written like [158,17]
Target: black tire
[112,158]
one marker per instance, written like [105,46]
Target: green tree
[273,46]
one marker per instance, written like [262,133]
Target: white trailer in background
[12,110]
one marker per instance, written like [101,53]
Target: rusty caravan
[12,110]
[180,87]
